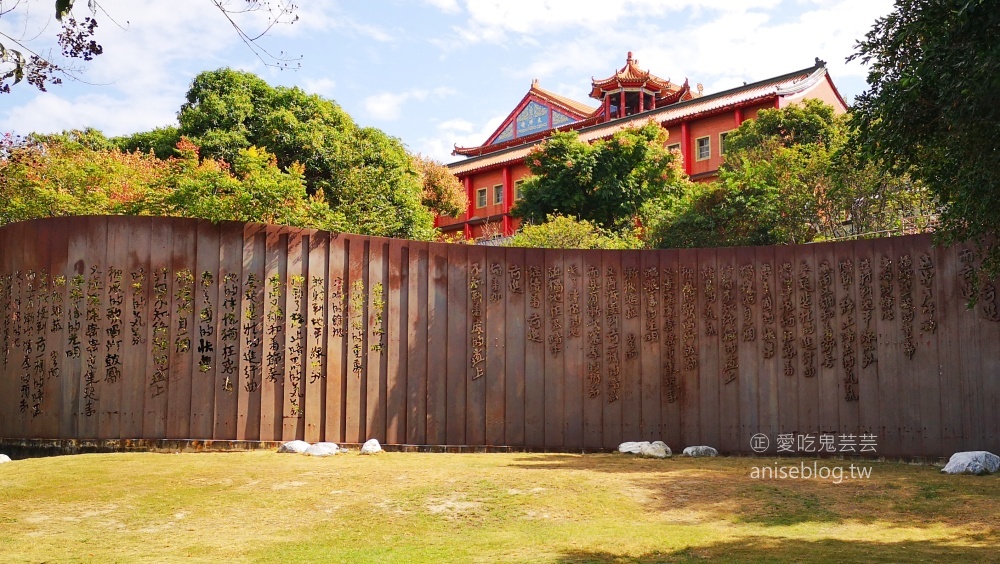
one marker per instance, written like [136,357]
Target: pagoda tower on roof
[632,90]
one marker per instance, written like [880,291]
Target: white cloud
[322,16]
[385,106]
[50,113]
[456,132]
[323,86]
[446,6]
[388,106]
[457,125]
[369,31]
[581,57]
[721,44]
[493,20]
[753,46]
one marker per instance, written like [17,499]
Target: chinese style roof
[542,111]
[631,76]
[534,117]
[789,85]
[579,107]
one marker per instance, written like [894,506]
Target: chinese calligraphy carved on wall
[267,331]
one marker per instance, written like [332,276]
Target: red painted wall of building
[674,135]
[489,180]
[709,127]
[751,111]
[486,180]
[519,171]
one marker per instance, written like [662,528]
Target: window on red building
[704,148]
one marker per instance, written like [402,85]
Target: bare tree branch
[77,42]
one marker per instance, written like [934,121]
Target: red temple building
[697,124]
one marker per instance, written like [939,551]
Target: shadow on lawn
[781,549]
[701,490]
[626,463]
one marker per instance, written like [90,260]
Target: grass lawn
[409,507]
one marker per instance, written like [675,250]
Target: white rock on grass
[323,449]
[371,447]
[4,458]
[655,449]
[294,446]
[696,451]
[632,447]
[976,462]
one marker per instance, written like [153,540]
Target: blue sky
[434,73]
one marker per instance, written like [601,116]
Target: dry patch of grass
[264,506]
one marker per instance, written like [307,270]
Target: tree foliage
[790,177]
[442,192]
[161,141]
[355,178]
[812,122]
[76,39]
[360,171]
[608,182]
[931,110]
[62,175]
[561,232]
[253,189]
[242,143]
[51,176]
[692,219]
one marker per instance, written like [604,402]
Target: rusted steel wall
[160,328]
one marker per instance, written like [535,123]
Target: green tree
[811,122]
[442,192]
[608,182]
[360,172]
[161,141]
[769,186]
[61,176]
[931,109]
[864,200]
[790,177]
[378,190]
[696,218]
[253,189]
[221,114]
[561,232]
[88,138]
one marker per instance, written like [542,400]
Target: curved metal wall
[149,328]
